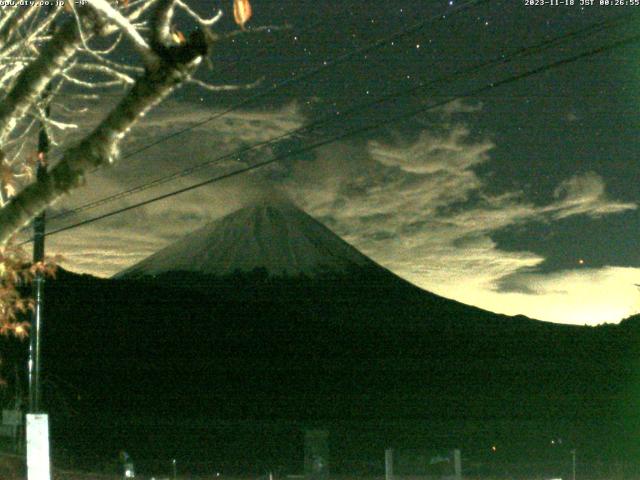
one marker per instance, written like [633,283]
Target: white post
[388,464]
[457,464]
[38,467]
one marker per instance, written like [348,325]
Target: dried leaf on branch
[16,274]
[241,12]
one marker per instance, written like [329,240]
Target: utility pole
[35,391]
[37,422]
[37,431]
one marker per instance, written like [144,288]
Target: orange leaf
[20,306]
[21,330]
[241,12]
[178,37]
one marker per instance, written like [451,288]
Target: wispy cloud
[422,211]
[418,208]
[585,195]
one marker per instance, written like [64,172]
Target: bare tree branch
[33,80]
[201,21]
[14,21]
[31,37]
[127,27]
[101,146]
[224,88]
[161,26]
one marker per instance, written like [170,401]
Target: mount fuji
[272,253]
[272,235]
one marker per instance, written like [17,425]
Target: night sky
[519,199]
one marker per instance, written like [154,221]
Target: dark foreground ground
[12,467]
[227,375]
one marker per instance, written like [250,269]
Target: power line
[306,75]
[487,87]
[523,51]
[292,81]
[498,60]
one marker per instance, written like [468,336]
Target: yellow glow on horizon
[580,296]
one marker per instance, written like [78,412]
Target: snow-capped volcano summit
[272,235]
